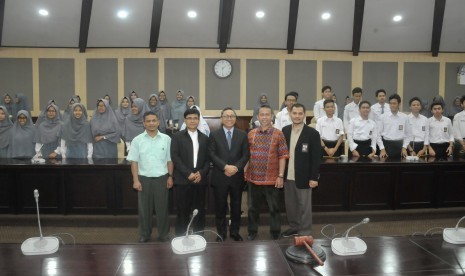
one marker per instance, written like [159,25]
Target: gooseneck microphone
[189,243]
[39,245]
[455,235]
[364,221]
[347,246]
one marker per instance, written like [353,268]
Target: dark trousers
[393,147]
[459,152]
[332,144]
[233,187]
[255,196]
[154,195]
[416,146]
[188,198]
[363,148]
[440,150]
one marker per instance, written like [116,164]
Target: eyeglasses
[229,116]
[191,118]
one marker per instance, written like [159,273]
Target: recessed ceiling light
[122,14]
[397,18]
[192,14]
[260,14]
[43,12]
[326,15]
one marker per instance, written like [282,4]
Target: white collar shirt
[419,130]
[440,131]
[318,109]
[377,110]
[350,111]
[459,125]
[393,127]
[195,143]
[330,129]
[362,130]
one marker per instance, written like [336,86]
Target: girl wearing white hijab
[22,136]
[178,106]
[105,130]
[76,137]
[203,126]
[5,128]
[134,124]
[48,135]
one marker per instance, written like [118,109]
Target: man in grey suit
[229,152]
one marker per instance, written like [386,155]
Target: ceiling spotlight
[326,15]
[43,12]
[260,14]
[397,18]
[192,14]
[122,14]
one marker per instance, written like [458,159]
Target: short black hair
[150,113]
[191,111]
[326,87]
[363,102]
[327,101]
[433,104]
[292,93]
[298,105]
[414,99]
[396,97]
[265,106]
[228,108]
[356,90]
[462,99]
[380,91]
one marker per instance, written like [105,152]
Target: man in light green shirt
[152,173]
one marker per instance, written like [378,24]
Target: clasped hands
[230,170]
[195,177]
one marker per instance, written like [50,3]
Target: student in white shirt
[381,107]
[393,131]
[282,118]
[459,131]
[419,131]
[351,110]
[441,139]
[362,133]
[331,131]
[318,108]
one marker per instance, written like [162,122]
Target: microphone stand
[348,246]
[189,243]
[455,235]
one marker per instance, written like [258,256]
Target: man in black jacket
[229,152]
[189,154]
[302,172]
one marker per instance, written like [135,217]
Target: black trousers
[332,144]
[440,150]
[232,187]
[255,196]
[363,148]
[188,198]
[393,147]
[416,146]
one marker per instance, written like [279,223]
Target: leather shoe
[252,236]
[222,239]
[143,240]
[163,239]
[289,233]
[236,237]
[275,236]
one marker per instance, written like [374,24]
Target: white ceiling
[24,27]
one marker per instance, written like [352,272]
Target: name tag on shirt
[304,147]
[401,127]
[445,129]
[337,131]
[370,132]
[423,128]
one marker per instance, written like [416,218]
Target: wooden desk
[385,256]
[74,186]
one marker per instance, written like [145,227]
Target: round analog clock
[222,68]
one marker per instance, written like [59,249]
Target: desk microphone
[347,246]
[189,243]
[412,157]
[455,235]
[39,245]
